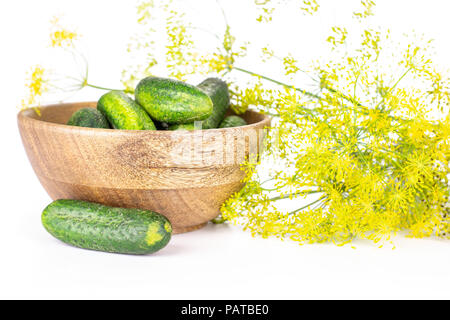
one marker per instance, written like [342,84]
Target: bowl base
[178,230]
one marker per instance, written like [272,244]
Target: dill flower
[367,9]
[48,83]
[180,55]
[36,87]
[310,6]
[60,36]
[367,156]
[267,8]
[371,152]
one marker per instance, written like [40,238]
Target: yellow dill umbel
[36,86]
[61,37]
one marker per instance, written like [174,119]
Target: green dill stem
[268,180]
[270,190]
[102,88]
[205,31]
[400,79]
[307,206]
[349,99]
[287,196]
[272,114]
[395,85]
[223,13]
[307,93]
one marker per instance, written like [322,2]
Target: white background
[215,262]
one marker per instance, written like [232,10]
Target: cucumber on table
[97,227]
[123,112]
[217,90]
[173,101]
[232,121]
[89,118]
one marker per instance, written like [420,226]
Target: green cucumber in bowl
[217,90]
[186,126]
[89,118]
[232,121]
[173,101]
[97,227]
[123,112]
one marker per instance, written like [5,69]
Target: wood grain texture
[185,176]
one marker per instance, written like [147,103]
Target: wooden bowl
[185,176]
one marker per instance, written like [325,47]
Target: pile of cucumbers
[162,104]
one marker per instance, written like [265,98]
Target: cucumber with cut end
[232,121]
[173,101]
[89,118]
[123,112]
[97,227]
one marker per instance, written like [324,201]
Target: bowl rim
[23,116]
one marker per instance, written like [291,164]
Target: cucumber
[89,118]
[123,112]
[97,227]
[173,101]
[186,126]
[217,90]
[232,121]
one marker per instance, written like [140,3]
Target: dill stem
[205,31]
[287,196]
[223,13]
[307,206]
[349,99]
[272,114]
[100,88]
[395,86]
[400,79]
[307,93]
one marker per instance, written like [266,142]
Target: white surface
[216,262]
